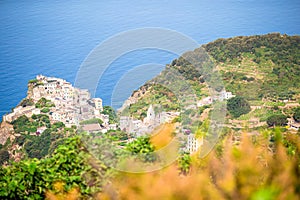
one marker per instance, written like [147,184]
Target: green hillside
[261,68]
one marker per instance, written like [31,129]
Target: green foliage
[158,95]
[238,106]
[142,148]
[44,103]
[281,47]
[45,110]
[117,135]
[267,193]
[184,162]
[33,81]
[21,124]
[26,102]
[58,125]
[273,56]
[24,124]
[4,156]
[38,146]
[20,140]
[107,110]
[70,164]
[277,120]
[91,121]
[296,115]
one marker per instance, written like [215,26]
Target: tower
[150,119]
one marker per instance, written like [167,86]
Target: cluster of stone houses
[72,105]
[150,122]
[223,95]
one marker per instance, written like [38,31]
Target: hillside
[264,69]
[263,66]
[254,155]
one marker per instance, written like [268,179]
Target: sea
[54,38]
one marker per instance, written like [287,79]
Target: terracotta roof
[296,125]
[91,127]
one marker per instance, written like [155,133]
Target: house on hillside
[193,143]
[205,101]
[225,95]
[293,124]
[92,128]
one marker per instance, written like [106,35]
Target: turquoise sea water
[54,37]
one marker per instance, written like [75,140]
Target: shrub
[45,110]
[4,156]
[296,115]
[238,106]
[92,121]
[277,120]
[26,102]
[142,148]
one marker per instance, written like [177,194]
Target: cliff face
[30,90]
[6,131]
[134,98]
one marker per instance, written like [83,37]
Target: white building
[98,103]
[124,123]
[67,91]
[204,101]
[57,116]
[293,124]
[150,119]
[105,119]
[193,143]
[112,127]
[225,95]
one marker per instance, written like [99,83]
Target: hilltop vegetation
[261,66]
[262,69]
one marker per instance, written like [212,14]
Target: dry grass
[162,136]
[245,172]
[59,193]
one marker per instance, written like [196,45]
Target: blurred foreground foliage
[70,165]
[264,166]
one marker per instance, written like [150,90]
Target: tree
[45,110]
[238,106]
[91,121]
[26,102]
[277,120]
[184,162]
[58,125]
[142,148]
[107,110]
[70,164]
[296,115]
[4,156]
[43,102]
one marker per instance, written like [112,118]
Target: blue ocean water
[54,37]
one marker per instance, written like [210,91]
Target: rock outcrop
[6,131]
